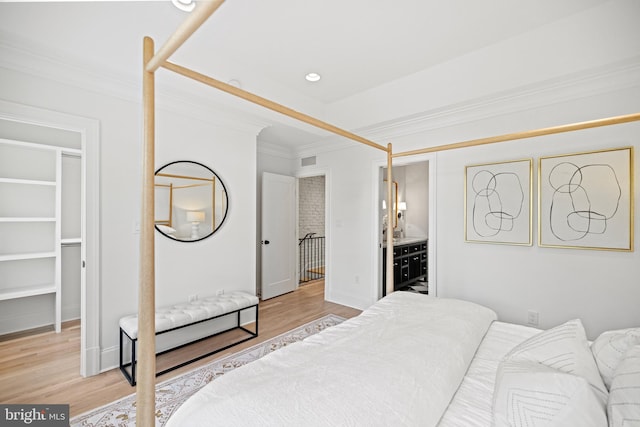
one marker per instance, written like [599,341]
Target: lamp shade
[195,216]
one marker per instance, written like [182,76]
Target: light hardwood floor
[43,367]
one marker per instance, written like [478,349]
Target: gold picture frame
[498,200]
[585,200]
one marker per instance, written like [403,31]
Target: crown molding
[596,81]
[24,56]
[600,80]
[274,149]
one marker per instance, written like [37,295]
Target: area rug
[172,393]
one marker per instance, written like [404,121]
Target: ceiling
[267,47]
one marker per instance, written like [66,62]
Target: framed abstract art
[585,200]
[498,203]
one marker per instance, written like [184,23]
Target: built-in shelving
[23,256]
[27,219]
[25,199]
[27,181]
[27,291]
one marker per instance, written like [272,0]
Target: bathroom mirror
[191,201]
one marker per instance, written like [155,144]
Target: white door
[278,234]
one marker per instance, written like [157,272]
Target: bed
[145,398]
[408,360]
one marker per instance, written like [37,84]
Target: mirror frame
[215,179]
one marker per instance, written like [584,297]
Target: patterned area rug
[171,393]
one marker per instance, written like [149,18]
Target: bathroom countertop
[405,241]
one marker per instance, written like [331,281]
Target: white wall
[224,261]
[350,229]
[413,188]
[598,286]
[581,68]
[417,198]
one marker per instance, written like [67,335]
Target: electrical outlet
[532,317]
[220,292]
[193,297]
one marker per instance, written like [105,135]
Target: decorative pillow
[623,406]
[166,229]
[530,394]
[564,348]
[609,348]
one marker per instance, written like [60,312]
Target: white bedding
[472,404]
[399,363]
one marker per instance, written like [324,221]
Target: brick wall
[311,206]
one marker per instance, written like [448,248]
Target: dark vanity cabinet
[409,265]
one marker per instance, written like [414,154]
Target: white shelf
[32,255]
[35,204]
[27,291]
[34,199]
[27,181]
[26,219]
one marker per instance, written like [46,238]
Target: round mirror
[190,201]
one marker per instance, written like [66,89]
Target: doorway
[415,178]
[38,124]
[311,229]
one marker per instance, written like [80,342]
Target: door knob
[265,242]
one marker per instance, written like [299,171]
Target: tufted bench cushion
[184,314]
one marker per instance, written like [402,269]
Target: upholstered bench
[183,315]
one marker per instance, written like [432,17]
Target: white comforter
[397,364]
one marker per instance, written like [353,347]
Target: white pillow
[623,406]
[166,229]
[564,348]
[609,348]
[530,394]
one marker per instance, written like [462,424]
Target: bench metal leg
[123,367]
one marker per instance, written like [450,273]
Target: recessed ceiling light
[184,5]
[235,83]
[312,77]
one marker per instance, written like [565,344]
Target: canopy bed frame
[154,60]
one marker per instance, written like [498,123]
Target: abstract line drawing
[585,200]
[498,202]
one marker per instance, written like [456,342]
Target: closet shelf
[31,255]
[27,181]
[26,219]
[27,291]
[34,193]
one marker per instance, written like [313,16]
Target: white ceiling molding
[24,56]
[612,77]
[273,149]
